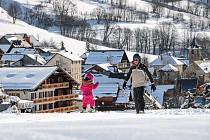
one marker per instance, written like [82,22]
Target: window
[57,63]
[33,96]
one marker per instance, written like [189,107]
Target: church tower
[194,51]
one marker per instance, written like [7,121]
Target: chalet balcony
[61,109]
[55,98]
[55,85]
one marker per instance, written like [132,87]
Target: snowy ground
[193,124]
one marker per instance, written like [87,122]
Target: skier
[138,78]
[87,88]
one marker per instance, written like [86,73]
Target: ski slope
[193,124]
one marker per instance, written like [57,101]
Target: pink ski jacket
[87,87]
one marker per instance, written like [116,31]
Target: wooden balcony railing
[55,98]
[55,85]
[61,109]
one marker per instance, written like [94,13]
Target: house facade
[168,75]
[50,88]
[200,70]
[69,62]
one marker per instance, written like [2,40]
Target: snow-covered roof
[23,50]
[169,67]
[109,86]
[71,56]
[84,55]
[204,65]
[143,56]
[185,61]
[37,57]
[105,56]
[165,59]
[47,56]
[16,78]
[5,47]
[12,57]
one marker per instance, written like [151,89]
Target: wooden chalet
[50,88]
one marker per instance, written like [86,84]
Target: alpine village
[39,79]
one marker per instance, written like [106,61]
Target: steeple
[194,44]
[194,51]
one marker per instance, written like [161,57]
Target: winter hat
[89,76]
[136,56]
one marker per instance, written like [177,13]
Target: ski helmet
[136,56]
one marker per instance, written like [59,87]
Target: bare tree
[14,10]
[62,9]
[99,13]
[108,26]
[128,34]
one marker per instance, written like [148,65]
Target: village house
[168,75]
[10,41]
[50,88]
[30,59]
[200,70]
[10,59]
[69,62]
[116,58]
[165,59]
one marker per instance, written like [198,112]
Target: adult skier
[138,73]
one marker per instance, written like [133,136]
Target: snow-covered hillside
[72,45]
[154,125]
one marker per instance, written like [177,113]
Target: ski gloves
[153,87]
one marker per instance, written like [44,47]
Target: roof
[84,55]
[15,37]
[16,78]
[38,58]
[23,50]
[165,59]
[12,57]
[169,67]
[71,56]
[204,65]
[108,88]
[5,47]
[105,56]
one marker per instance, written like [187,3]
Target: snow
[204,65]
[154,125]
[169,67]
[101,57]
[71,56]
[28,77]
[165,59]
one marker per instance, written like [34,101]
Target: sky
[192,124]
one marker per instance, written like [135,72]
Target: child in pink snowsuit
[87,88]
